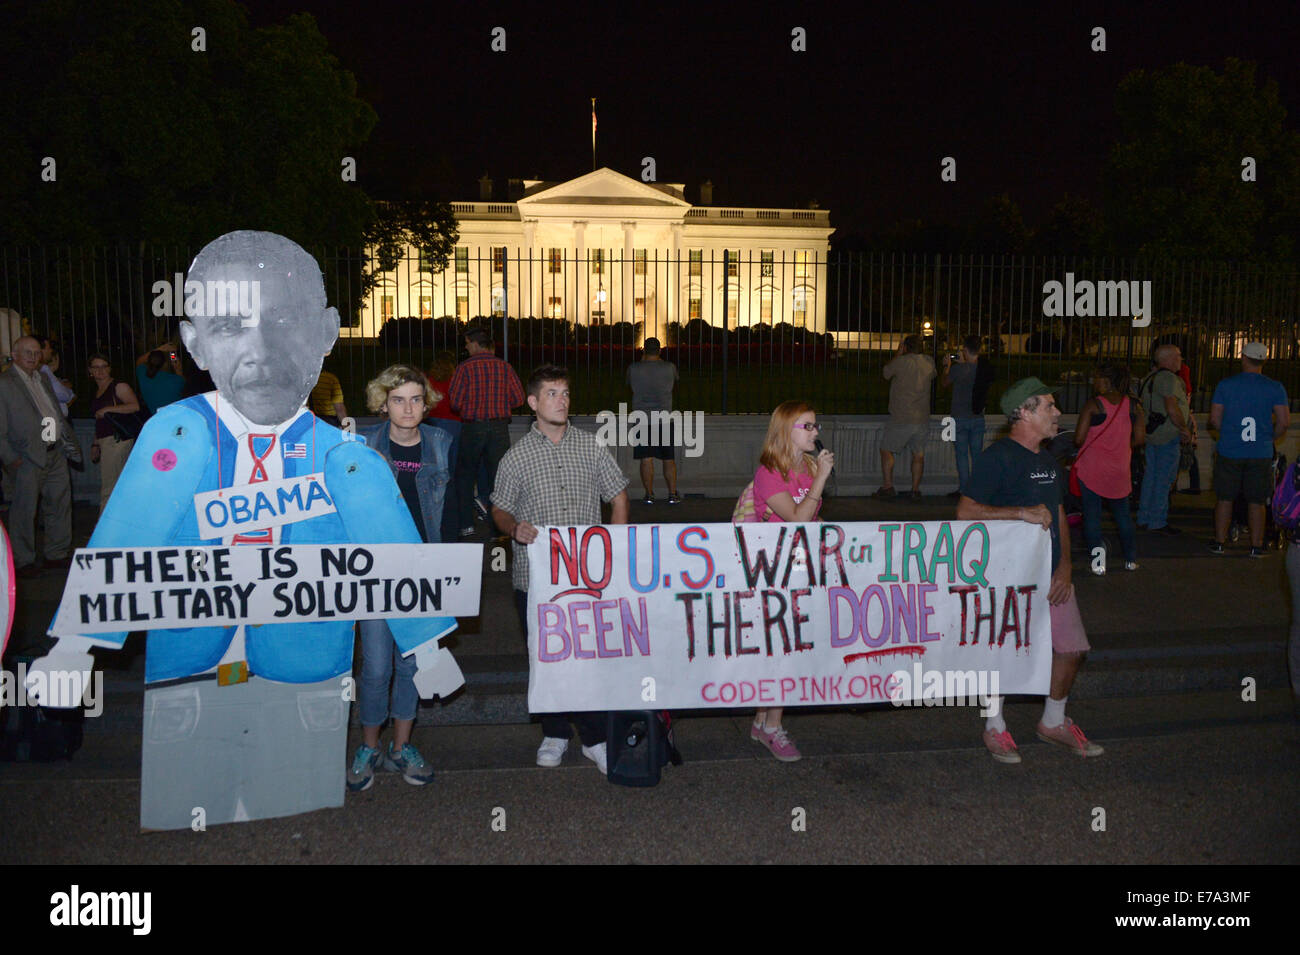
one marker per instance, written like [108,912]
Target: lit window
[426,306]
[498,302]
[555,308]
[462,305]
[462,259]
[697,263]
[597,261]
[638,262]
[424,265]
[498,258]
[733,263]
[800,265]
[694,306]
[765,305]
[800,307]
[767,265]
[557,261]
[386,307]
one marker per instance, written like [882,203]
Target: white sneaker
[551,751]
[1130,565]
[597,755]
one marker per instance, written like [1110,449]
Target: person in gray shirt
[652,380]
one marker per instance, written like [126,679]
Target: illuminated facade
[606,248]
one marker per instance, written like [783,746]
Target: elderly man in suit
[251,722]
[33,439]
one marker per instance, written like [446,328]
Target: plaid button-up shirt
[484,387]
[542,482]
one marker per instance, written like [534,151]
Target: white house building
[607,248]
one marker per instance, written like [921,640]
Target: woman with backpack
[788,487]
[1109,427]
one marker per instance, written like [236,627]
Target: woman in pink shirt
[788,487]
[1109,427]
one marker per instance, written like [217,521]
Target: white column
[530,287]
[628,295]
[578,304]
[818,323]
[675,273]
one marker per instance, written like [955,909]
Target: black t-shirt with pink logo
[1007,474]
[406,461]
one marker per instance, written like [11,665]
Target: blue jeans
[970,442]
[1123,522]
[379,659]
[1161,470]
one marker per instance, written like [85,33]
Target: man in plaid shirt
[483,390]
[556,475]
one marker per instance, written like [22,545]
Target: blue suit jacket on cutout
[151,507]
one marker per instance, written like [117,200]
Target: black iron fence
[747,329]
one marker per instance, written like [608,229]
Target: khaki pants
[52,486]
[113,453]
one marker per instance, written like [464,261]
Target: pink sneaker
[1071,737]
[756,732]
[1001,746]
[778,742]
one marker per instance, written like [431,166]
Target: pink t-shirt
[768,483]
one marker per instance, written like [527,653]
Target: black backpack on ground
[639,745]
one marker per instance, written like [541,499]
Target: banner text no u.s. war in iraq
[720,615]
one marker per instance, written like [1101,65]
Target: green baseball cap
[1022,391]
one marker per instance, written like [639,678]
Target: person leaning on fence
[788,486]
[969,376]
[1250,411]
[1016,480]
[556,474]
[909,375]
[326,399]
[651,380]
[1109,428]
[417,453]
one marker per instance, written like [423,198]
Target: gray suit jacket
[20,422]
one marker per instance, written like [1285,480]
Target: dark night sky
[859,122]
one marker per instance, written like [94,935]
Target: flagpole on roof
[593,134]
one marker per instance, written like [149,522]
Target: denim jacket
[431,482]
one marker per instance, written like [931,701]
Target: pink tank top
[1103,461]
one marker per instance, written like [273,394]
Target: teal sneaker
[361,774]
[409,763]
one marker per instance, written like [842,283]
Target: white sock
[995,722]
[1053,712]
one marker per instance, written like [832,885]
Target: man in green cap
[1014,479]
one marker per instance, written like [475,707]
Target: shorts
[663,452]
[1251,477]
[1067,627]
[905,437]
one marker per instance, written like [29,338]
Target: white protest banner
[717,615]
[151,588]
[229,510]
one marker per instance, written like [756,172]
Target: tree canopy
[159,134]
[1174,183]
